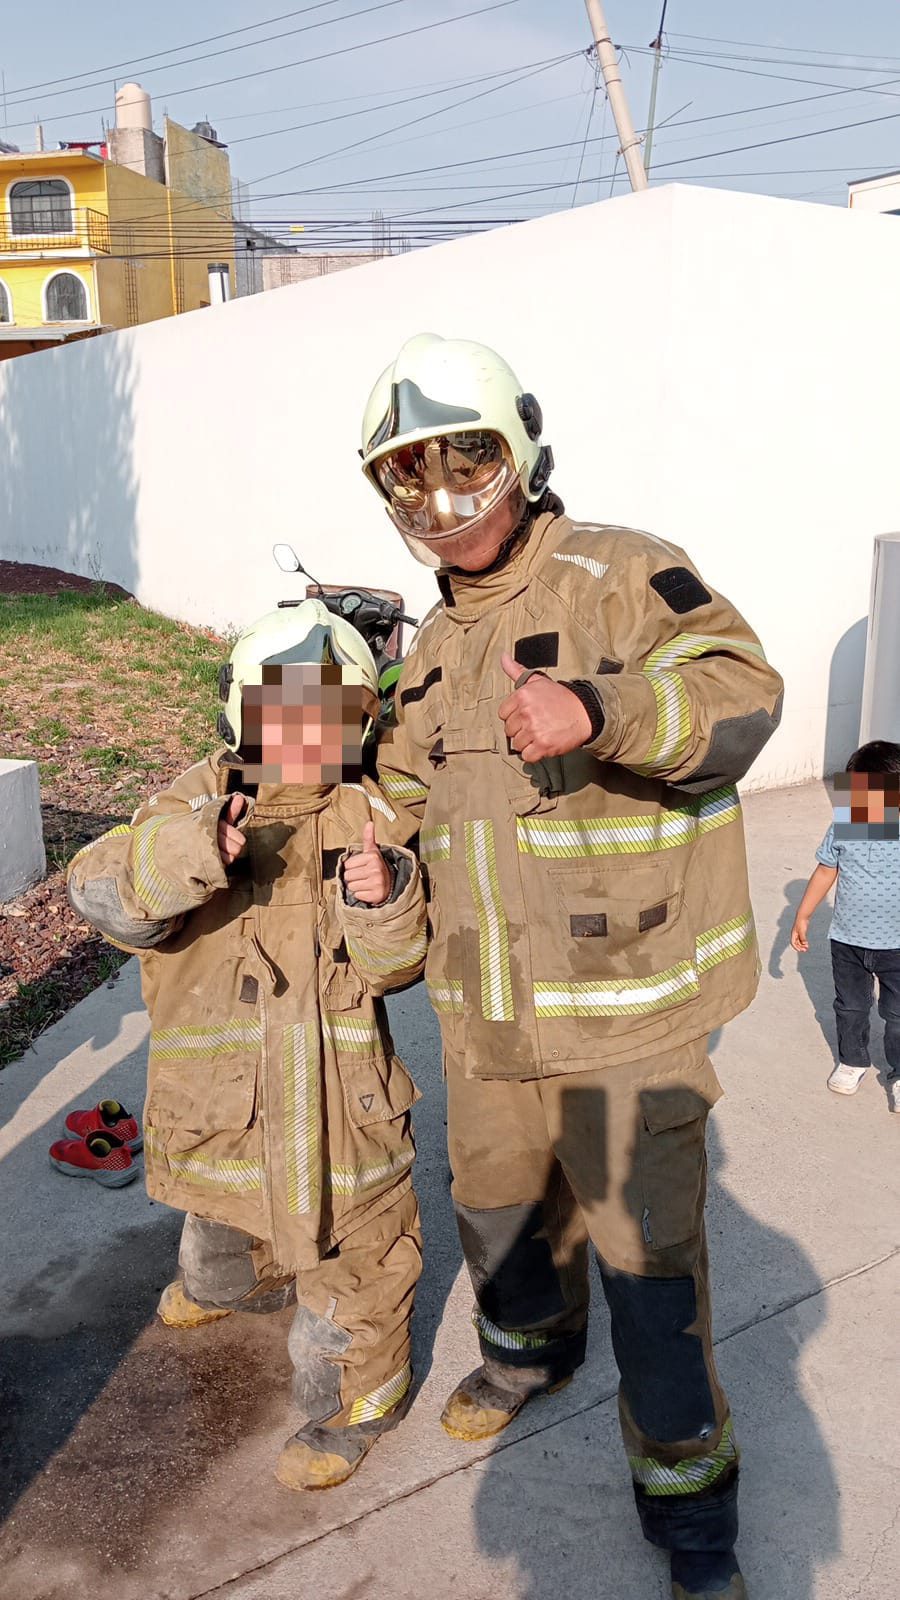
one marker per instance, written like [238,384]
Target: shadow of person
[815,964]
[554,1509]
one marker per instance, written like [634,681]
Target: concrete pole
[656,47]
[628,140]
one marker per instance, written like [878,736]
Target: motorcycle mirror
[286,558]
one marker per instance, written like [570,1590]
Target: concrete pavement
[137,1462]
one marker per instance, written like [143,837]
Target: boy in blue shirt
[861,850]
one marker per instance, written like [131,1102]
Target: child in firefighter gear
[271,901]
[571,722]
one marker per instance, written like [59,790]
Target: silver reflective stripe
[504,1339]
[371,1407]
[302,1095]
[597,569]
[689,1475]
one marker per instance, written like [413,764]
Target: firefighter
[571,722]
[271,901]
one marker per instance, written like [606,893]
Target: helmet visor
[436,486]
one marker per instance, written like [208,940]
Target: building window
[66,299]
[41,205]
[5,304]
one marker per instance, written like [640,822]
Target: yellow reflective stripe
[349,1181]
[612,997]
[151,885]
[402,786]
[688,646]
[302,1092]
[110,834]
[434,843]
[370,1407]
[353,1035]
[609,836]
[673,720]
[446,996]
[493,933]
[185,1044]
[503,1339]
[375,800]
[371,959]
[729,939]
[686,1477]
[207,1172]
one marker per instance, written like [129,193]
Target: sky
[472,112]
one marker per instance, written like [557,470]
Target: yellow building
[95,241]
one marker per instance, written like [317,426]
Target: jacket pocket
[623,927]
[376,1091]
[672,1155]
[204,1098]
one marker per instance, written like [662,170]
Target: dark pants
[855,971]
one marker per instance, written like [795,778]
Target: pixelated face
[867,805]
[302,724]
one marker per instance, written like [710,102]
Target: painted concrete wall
[717,368]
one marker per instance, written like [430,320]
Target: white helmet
[478,433]
[303,634]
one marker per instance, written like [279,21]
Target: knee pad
[312,1342]
[663,1367]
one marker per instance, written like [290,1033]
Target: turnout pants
[349,1339]
[615,1156]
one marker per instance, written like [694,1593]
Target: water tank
[133,107]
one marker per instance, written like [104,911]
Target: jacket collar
[469,595]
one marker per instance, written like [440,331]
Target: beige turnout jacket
[275,1100]
[595,908]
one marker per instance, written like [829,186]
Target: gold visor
[435,487]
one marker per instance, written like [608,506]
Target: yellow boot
[177,1310]
[478,1408]
[321,1457]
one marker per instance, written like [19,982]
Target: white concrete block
[22,859]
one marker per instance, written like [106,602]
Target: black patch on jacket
[607,666]
[446,589]
[681,590]
[591,926]
[330,859]
[249,991]
[537,650]
[407,696]
[654,918]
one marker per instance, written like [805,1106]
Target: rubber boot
[321,1456]
[478,1408]
[177,1310]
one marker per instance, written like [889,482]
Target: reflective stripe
[402,786]
[608,836]
[595,568]
[673,720]
[688,1476]
[446,996]
[351,1035]
[110,834]
[610,997]
[503,1339]
[375,800]
[351,1181]
[434,843]
[206,1172]
[493,934]
[727,940]
[302,1094]
[185,1044]
[370,959]
[152,886]
[383,1399]
[687,646]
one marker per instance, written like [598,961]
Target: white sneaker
[846,1080]
[894,1094]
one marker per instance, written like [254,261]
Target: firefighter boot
[177,1310]
[479,1407]
[321,1456]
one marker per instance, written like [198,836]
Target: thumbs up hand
[542,718]
[230,840]
[367,875]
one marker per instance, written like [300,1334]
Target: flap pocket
[475,736]
[201,1099]
[377,1091]
[673,1105]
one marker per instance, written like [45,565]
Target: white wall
[718,368]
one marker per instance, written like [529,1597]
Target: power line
[756,44]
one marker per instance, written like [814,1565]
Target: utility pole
[656,46]
[606,55]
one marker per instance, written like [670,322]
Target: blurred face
[302,725]
[867,797]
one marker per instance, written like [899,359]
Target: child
[277,1113]
[862,851]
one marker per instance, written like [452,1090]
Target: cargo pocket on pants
[671,1154]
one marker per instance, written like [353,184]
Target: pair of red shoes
[106,1140]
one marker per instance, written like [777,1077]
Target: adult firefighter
[571,722]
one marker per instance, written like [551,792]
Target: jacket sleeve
[697,700]
[387,943]
[137,882]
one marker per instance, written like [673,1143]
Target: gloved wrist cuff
[589,696]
